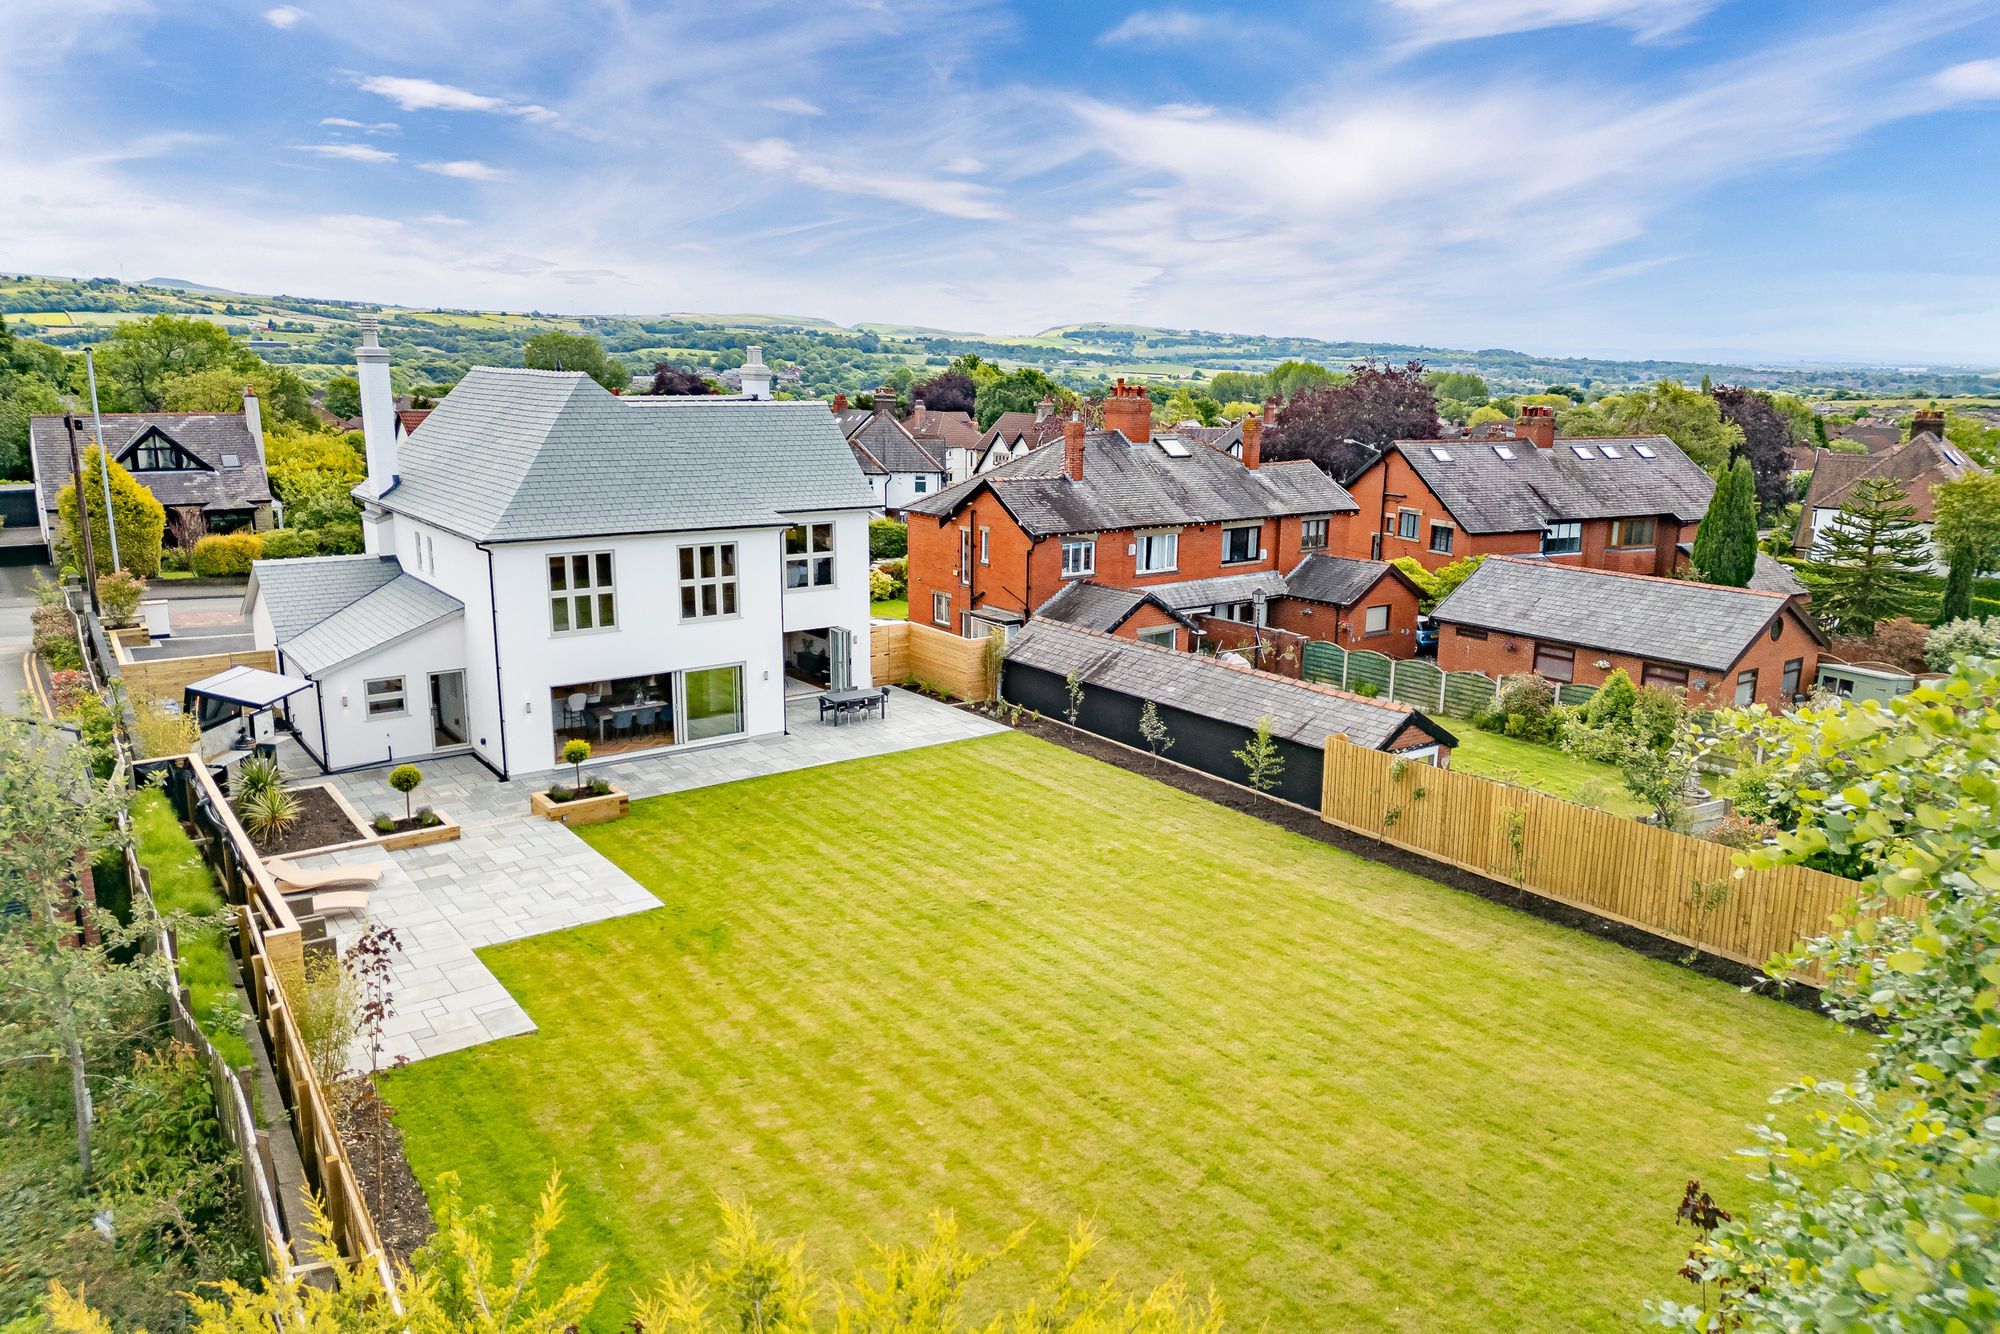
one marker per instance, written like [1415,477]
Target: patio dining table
[842,702]
[605,713]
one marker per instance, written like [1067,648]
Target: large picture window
[809,555]
[714,702]
[581,594]
[1562,539]
[708,581]
[1159,553]
[1079,556]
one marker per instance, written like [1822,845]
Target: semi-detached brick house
[1607,503]
[1724,646]
[1122,510]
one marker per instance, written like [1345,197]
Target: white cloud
[441,220]
[284,16]
[366,127]
[1974,80]
[430,95]
[793,106]
[954,199]
[962,166]
[466,170]
[350,152]
[1458,20]
[1164,27]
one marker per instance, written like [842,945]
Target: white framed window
[582,595]
[923,483]
[941,609]
[1244,611]
[1746,688]
[1441,538]
[1163,635]
[1158,553]
[1240,543]
[385,697]
[809,555]
[1312,534]
[965,556]
[1375,620]
[1079,556]
[1562,539]
[1408,524]
[708,581]
[985,546]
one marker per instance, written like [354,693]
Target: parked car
[1427,637]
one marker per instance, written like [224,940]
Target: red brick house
[1607,503]
[1724,646]
[1364,604]
[1206,533]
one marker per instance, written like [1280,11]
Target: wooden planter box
[584,810]
[446,832]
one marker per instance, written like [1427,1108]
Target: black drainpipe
[499,690]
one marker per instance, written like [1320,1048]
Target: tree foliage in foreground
[1886,1206]
[456,1285]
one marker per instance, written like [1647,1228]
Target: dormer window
[156,453]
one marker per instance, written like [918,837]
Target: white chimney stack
[756,375]
[253,417]
[378,432]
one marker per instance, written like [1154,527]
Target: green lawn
[1004,979]
[1543,768]
[898,610]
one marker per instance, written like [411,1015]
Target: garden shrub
[343,539]
[183,888]
[176,561]
[226,555]
[141,521]
[55,639]
[118,595]
[887,539]
[1961,639]
[881,588]
[92,717]
[287,543]
[1524,707]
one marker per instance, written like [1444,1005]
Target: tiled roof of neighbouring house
[1188,594]
[231,476]
[1666,620]
[524,455]
[949,430]
[1509,486]
[890,445]
[1919,466]
[1093,606]
[1338,581]
[1012,426]
[1202,685]
[1142,485]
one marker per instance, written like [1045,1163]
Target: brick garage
[1724,645]
[1341,601]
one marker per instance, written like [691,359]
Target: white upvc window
[1158,553]
[1079,556]
[985,546]
[1375,621]
[1408,522]
[708,581]
[809,555]
[582,595]
[941,609]
[1162,635]
[385,697]
[1240,543]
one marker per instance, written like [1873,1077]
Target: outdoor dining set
[841,704]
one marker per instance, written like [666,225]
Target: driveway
[511,875]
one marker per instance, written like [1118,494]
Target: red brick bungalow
[1123,510]
[1611,503]
[1724,646]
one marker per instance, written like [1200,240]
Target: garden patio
[1000,978]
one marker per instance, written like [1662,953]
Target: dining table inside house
[606,714]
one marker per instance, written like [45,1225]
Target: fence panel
[1572,693]
[1365,668]
[1324,664]
[1467,694]
[1417,683]
[1605,864]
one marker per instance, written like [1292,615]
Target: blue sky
[1759,179]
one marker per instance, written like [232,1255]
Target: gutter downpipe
[499,691]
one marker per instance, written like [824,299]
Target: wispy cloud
[955,199]
[350,152]
[441,220]
[430,95]
[366,127]
[1461,20]
[1974,80]
[793,106]
[466,169]
[284,16]
[1167,27]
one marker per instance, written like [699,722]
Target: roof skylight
[1441,454]
[1503,451]
[1610,451]
[1172,447]
[1644,451]
[1582,451]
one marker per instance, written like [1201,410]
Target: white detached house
[548,561]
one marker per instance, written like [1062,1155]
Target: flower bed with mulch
[323,821]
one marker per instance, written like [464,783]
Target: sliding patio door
[711,703]
[841,677]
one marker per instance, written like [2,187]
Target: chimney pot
[1129,412]
[840,403]
[1253,440]
[1536,424]
[1929,420]
[1073,447]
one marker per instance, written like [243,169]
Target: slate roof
[1490,494]
[1665,620]
[1187,594]
[1195,683]
[1012,426]
[1095,606]
[1920,466]
[523,455]
[1772,575]
[1338,581]
[205,435]
[1139,486]
[952,430]
[328,610]
[893,449]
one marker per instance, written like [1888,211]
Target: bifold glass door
[712,703]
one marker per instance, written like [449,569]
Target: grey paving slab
[511,875]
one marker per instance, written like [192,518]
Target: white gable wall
[458,566]
[349,737]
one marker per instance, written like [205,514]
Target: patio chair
[298,880]
[339,901]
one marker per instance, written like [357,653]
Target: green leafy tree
[1876,1207]
[1725,546]
[406,778]
[1874,560]
[1239,387]
[1688,417]
[1966,531]
[558,351]
[22,398]
[283,394]
[1287,379]
[1446,579]
[136,363]
[1017,391]
[343,397]
[1153,731]
[1263,765]
[141,520]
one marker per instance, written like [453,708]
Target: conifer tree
[1874,559]
[1725,547]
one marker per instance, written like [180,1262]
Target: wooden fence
[1685,889]
[905,651]
[1413,681]
[165,678]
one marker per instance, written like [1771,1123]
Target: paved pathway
[512,875]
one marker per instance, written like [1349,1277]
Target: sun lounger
[297,880]
[339,900]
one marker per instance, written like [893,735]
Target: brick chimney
[1271,411]
[1931,419]
[1073,447]
[839,403]
[1253,439]
[1537,423]
[1045,408]
[885,400]
[1129,411]
[916,414]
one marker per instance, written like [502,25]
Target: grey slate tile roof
[1488,494]
[1139,486]
[1095,606]
[205,435]
[1197,684]
[1188,594]
[1666,620]
[1335,580]
[1773,576]
[327,610]
[524,455]
[891,446]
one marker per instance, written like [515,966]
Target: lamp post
[103,460]
[83,512]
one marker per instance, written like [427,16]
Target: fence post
[1444,678]
[1392,678]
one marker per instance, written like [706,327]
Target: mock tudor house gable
[1619,503]
[1724,646]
